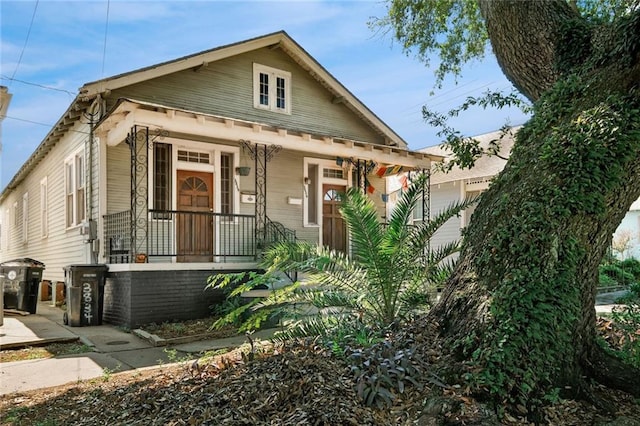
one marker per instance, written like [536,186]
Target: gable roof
[486,166]
[90,91]
[277,40]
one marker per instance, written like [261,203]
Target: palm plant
[389,273]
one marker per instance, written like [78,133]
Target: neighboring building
[626,239]
[457,184]
[174,172]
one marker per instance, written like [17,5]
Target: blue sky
[62,46]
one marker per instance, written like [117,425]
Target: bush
[389,275]
[628,321]
[632,266]
[617,274]
[606,281]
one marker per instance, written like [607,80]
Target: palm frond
[365,229]
[401,214]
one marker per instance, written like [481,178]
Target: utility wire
[26,41]
[4,77]
[104,48]
[43,124]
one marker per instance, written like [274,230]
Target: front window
[272,89]
[44,216]
[162,178]
[75,189]
[226,183]
[25,217]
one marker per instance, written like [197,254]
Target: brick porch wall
[135,298]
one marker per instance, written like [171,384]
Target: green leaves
[391,271]
[452,29]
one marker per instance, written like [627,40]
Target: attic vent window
[193,157]
[271,89]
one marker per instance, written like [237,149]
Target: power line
[4,77]
[43,124]
[26,41]
[104,49]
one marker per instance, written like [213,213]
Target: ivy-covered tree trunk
[520,306]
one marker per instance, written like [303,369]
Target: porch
[173,236]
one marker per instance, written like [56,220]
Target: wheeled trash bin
[21,280]
[84,285]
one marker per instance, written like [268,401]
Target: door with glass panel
[194,222]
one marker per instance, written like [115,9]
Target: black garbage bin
[21,279]
[84,285]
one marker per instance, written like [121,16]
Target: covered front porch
[186,195]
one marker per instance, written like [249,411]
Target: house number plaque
[87,297]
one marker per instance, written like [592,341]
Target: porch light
[385,197]
[306,182]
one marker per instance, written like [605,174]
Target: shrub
[391,270]
[632,266]
[617,274]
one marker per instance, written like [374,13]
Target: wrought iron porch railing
[276,232]
[186,236]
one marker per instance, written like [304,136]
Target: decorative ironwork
[141,141]
[426,195]
[261,154]
[235,236]
[139,145]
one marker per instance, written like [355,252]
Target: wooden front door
[334,232]
[194,223]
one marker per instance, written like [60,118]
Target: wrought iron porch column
[261,154]
[140,141]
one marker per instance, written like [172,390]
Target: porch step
[283,281]
[252,294]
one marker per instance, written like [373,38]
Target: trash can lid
[86,266]
[24,262]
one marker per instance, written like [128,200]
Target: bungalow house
[174,172]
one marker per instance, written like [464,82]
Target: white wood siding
[441,196]
[62,246]
[118,178]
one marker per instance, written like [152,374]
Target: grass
[39,352]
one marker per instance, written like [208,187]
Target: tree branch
[525,39]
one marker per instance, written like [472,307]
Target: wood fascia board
[92,89]
[217,128]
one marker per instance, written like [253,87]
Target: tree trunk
[520,305]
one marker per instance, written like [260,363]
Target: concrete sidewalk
[114,350]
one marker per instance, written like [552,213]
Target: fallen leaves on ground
[294,385]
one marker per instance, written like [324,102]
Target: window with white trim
[25,217]
[226,183]
[271,89]
[44,209]
[75,189]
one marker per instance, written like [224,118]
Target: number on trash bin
[87,297]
